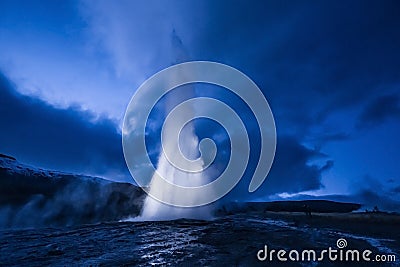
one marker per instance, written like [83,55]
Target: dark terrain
[227,241]
[33,197]
[58,219]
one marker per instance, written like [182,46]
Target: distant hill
[35,197]
[321,206]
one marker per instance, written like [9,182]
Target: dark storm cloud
[370,198]
[372,191]
[310,60]
[379,110]
[62,139]
[293,171]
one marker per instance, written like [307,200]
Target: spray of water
[188,146]
[155,210]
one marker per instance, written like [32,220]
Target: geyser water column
[177,187]
[180,145]
[175,145]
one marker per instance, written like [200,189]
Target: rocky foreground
[231,240]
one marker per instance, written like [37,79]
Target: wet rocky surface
[227,241]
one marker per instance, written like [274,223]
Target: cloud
[62,139]
[292,172]
[380,109]
[374,192]
[371,198]
[309,63]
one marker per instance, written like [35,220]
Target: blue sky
[330,71]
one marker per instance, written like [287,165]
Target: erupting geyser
[188,146]
[177,186]
[180,145]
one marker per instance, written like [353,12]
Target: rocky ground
[227,241]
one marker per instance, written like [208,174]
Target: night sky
[330,71]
